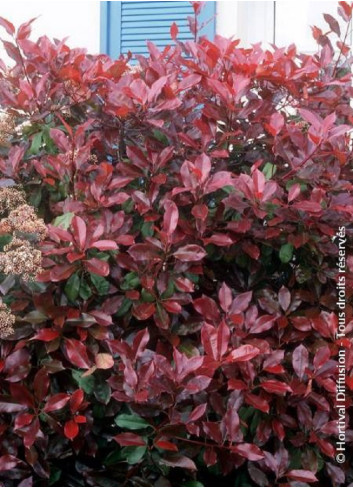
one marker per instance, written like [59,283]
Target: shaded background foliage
[183,329]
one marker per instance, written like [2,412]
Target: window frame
[110,25]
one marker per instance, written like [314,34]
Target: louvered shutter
[126,26]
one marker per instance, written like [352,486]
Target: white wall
[248,21]
[79,20]
[251,21]
[282,22]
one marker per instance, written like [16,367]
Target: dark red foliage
[184,325]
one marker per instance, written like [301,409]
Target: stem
[341,50]
[200,443]
[294,170]
[26,75]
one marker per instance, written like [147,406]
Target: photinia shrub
[182,330]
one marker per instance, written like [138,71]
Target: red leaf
[23,419]
[144,252]
[144,311]
[56,402]
[129,440]
[197,413]
[62,272]
[231,424]
[41,384]
[225,297]
[24,30]
[284,298]
[21,394]
[190,253]
[300,360]
[257,402]
[223,336]
[170,218]
[322,356]
[301,475]
[140,342]
[166,445]
[174,31]
[209,340]
[308,206]
[31,432]
[275,387]
[207,307]
[137,157]
[197,384]
[189,81]
[104,361]
[217,181]
[77,353]
[237,385]
[333,23]
[172,306]
[71,429]
[8,462]
[200,211]
[11,407]
[80,232]
[104,244]
[76,400]
[17,365]
[276,123]
[178,461]
[248,451]
[60,139]
[219,239]
[99,267]
[241,302]
[243,354]
[46,334]
[80,419]
[10,28]
[294,192]
[263,323]
[184,284]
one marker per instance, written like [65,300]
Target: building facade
[114,27]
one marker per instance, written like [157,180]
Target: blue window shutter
[126,26]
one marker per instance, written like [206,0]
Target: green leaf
[286,253]
[147,296]
[147,229]
[113,457]
[36,197]
[130,282]
[128,206]
[99,411]
[131,422]
[102,286]
[125,306]
[133,455]
[85,290]
[228,189]
[102,392]
[72,287]
[269,170]
[55,475]
[36,143]
[193,484]
[161,137]
[169,290]
[64,221]
[84,383]
[5,239]
[48,142]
